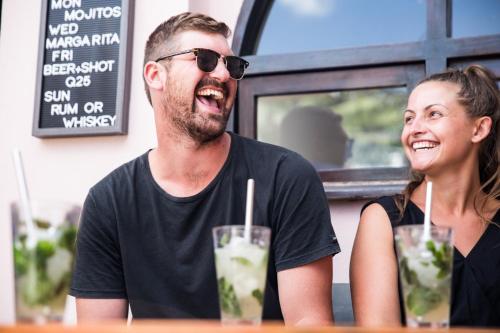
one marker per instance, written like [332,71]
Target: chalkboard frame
[122,92]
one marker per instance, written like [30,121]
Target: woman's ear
[482,127]
[154,75]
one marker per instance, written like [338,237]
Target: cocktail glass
[425,268]
[43,265]
[241,266]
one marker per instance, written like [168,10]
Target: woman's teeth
[424,145]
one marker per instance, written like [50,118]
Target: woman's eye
[435,114]
[407,119]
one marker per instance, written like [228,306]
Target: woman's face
[437,131]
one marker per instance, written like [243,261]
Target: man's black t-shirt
[138,242]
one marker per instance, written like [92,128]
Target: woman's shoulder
[390,204]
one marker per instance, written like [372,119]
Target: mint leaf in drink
[409,275]
[265,259]
[42,224]
[68,238]
[227,297]
[258,295]
[21,260]
[43,251]
[430,246]
[421,300]
[242,261]
[442,258]
[224,240]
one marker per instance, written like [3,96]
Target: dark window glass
[309,25]
[475,18]
[336,130]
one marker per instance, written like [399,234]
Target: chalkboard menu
[83,68]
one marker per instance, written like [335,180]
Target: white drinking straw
[427,216]
[249,209]
[23,193]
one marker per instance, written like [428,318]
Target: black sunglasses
[207,61]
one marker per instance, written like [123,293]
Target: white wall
[65,168]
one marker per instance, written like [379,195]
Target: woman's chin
[420,168]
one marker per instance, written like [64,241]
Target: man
[145,232]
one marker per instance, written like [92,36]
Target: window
[475,18]
[303,80]
[339,129]
[298,26]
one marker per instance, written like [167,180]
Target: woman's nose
[417,126]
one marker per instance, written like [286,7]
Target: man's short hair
[161,40]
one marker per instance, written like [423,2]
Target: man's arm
[306,293]
[97,282]
[89,310]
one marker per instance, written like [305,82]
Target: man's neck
[183,167]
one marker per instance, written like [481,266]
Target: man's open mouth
[210,97]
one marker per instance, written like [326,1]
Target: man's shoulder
[121,176]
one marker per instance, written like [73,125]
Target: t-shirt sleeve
[98,271]
[302,228]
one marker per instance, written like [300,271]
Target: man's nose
[220,72]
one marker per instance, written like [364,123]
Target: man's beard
[180,109]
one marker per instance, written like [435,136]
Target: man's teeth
[424,145]
[215,94]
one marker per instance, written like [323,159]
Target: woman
[450,136]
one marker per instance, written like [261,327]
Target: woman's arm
[373,271]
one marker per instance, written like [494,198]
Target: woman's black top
[475,294]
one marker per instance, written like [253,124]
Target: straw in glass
[23,193]
[249,209]
[427,216]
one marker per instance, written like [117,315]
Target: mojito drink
[425,268]
[43,269]
[241,267]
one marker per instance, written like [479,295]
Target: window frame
[339,69]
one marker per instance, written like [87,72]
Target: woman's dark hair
[480,97]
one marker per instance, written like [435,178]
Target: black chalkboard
[83,68]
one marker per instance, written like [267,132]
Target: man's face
[198,104]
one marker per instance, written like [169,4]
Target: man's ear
[482,127]
[154,75]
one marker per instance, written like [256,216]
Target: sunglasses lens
[236,67]
[207,60]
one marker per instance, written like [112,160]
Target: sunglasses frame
[195,51]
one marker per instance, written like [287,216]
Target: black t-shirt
[475,290]
[137,242]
